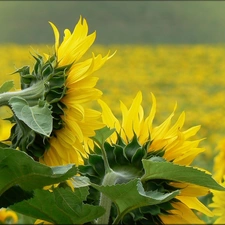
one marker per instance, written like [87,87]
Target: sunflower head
[51,82]
[53,78]
[125,159]
[132,161]
[50,112]
[219,167]
[218,206]
[8,216]
[155,157]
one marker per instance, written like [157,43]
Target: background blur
[175,49]
[116,22]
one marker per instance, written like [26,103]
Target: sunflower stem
[105,202]
[31,94]
[106,161]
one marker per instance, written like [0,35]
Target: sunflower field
[190,75]
[182,86]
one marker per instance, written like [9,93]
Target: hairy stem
[106,161]
[106,202]
[31,94]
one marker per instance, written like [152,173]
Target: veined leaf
[37,117]
[61,206]
[13,195]
[131,195]
[17,168]
[6,86]
[170,171]
[80,181]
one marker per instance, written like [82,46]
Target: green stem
[106,161]
[106,202]
[31,94]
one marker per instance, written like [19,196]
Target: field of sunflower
[54,128]
[190,75]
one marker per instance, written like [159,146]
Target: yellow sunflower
[177,148]
[218,205]
[79,122]
[219,166]
[171,139]
[8,216]
[5,125]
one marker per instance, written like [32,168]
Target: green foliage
[80,181]
[131,195]
[17,168]
[60,206]
[170,171]
[38,117]
[13,195]
[136,189]
[139,184]
[54,84]
[37,107]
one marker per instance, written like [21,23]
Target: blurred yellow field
[190,75]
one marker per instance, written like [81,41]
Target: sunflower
[65,84]
[219,167]
[218,205]
[168,141]
[8,216]
[80,122]
[174,142]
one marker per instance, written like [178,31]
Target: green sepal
[6,86]
[38,107]
[27,140]
[102,134]
[125,160]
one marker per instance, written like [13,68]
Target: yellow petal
[131,117]
[194,203]
[181,215]
[56,33]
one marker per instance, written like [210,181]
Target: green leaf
[37,117]
[13,195]
[80,181]
[131,195]
[174,172]
[61,206]
[6,86]
[102,134]
[17,168]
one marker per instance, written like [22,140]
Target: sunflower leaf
[6,86]
[131,195]
[62,206]
[170,171]
[13,195]
[102,134]
[37,117]
[17,168]
[80,181]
